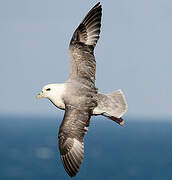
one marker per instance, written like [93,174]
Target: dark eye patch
[48,89]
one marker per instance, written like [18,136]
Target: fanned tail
[113,104]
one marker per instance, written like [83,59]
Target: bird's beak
[39,95]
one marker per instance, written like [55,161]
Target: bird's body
[79,97]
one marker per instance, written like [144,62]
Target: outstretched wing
[71,135]
[85,37]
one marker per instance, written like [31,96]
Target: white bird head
[51,91]
[54,92]
[47,91]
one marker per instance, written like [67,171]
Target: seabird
[79,97]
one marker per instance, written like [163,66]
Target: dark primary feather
[71,138]
[85,37]
[89,29]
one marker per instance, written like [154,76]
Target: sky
[134,52]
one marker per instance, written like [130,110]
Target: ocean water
[140,150]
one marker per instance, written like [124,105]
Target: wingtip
[122,123]
[119,121]
[72,160]
[97,5]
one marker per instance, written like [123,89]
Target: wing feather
[71,138]
[92,19]
[85,37]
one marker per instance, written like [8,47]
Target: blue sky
[134,52]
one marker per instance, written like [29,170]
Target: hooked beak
[39,95]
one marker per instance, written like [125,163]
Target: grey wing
[85,37]
[71,138]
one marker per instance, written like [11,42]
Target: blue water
[142,150]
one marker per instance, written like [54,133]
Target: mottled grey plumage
[79,97]
[71,134]
[81,83]
[83,64]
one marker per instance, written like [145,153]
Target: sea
[141,150]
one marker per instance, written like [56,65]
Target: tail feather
[113,104]
[119,101]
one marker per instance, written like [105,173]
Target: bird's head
[47,91]
[53,92]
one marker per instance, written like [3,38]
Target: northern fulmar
[79,97]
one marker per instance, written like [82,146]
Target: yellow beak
[39,96]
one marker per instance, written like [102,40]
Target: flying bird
[79,97]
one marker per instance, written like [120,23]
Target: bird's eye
[48,89]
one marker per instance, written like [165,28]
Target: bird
[79,97]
